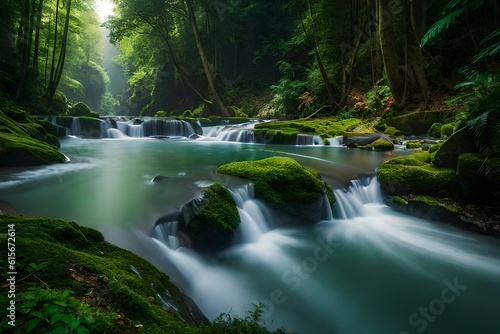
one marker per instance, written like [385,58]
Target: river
[368,269]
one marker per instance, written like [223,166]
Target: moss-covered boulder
[427,207]
[73,269]
[285,184]
[26,143]
[209,221]
[479,177]
[412,144]
[383,144]
[285,132]
[416,123]
[435,130]
[447,130]
[414,174]
[459,143]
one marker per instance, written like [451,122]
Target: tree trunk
[37,36]
[217,102]
[54,83]
[390,57]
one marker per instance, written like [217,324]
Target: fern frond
[441,25]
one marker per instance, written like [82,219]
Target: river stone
[210,220]
[286,185]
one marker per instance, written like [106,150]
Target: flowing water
[364,269]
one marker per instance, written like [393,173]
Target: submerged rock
[210,220]
[285,184]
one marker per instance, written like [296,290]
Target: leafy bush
[50,311]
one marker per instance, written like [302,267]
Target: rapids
[363,269]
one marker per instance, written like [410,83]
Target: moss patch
[412,174]
[281,181]
[435,130]
[16,150]
[78,259]
[285,132]
[459,143]
[412,144]
[382,144]
[416,123]
[211,220]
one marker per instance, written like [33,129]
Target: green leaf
[55,318]
[61,303]
[32,324]
[74,324]
[27,304]
[37,314]
[66,318]
[50,308]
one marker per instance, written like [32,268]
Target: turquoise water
[371,271]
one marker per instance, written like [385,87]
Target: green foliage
[51,311]
[161,113]
[252,323]
[378,101]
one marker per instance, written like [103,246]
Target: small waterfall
[336,141]
[303,139]
[240,133]
[167,234]
[239,136]
[135,130]
[104,127]
[76,128]
[166,127]
[350,201]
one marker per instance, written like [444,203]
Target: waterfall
[76,129]
[303,139]
[241,133]
[166,127]
[336,141]
[350,201]
[167,234]
[104,127]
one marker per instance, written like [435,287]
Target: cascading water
[76,128]
[157,127]
[241,133]
[367,270]
[303,139]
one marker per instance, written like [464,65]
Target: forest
[339,109]
[269,59]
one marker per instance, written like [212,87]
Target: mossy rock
[285,132]
[18,150]
[447,130]
[427,207]
[435,130]
[416,123]
[393,132]
[209,221]
[99,274]
[479,177]
[283,183]
[413,175]
[459,143]
[412,144]
[382,144]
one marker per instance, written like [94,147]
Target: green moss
[399,179]
[417,158]
[285,132]
[447,130]
[416,123]
[91,266]
[434,148]
[18,150]
[382,144]
[435,130]
[393,132]
[399,200]
[412,144]
[459,143]
[278,180]
[433,201]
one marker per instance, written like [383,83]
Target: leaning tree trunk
[214,96]
[390,57]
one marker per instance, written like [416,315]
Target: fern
[490,50]
[449,16]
